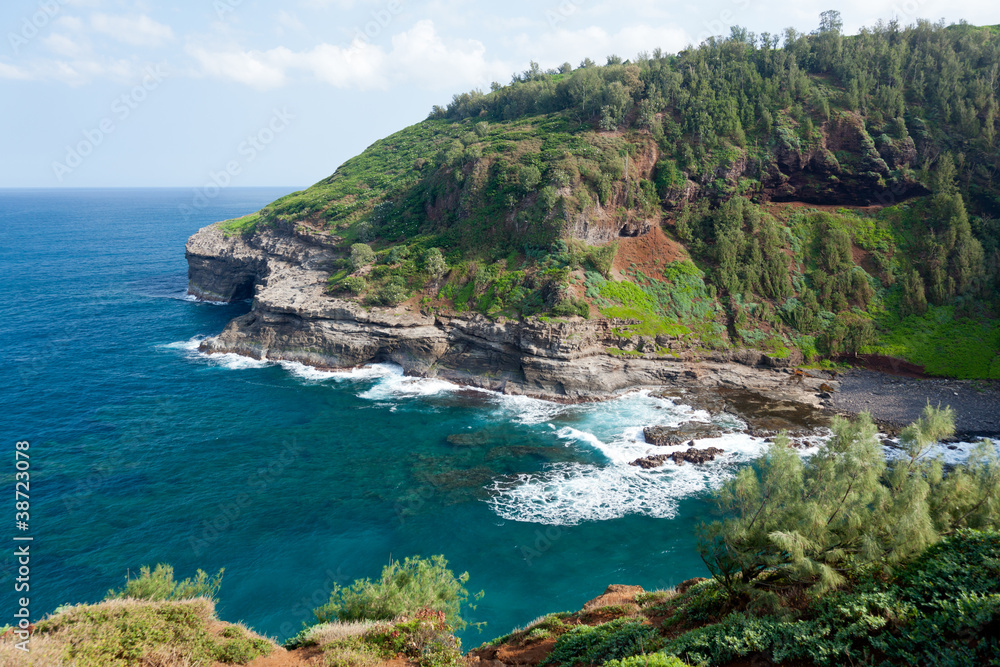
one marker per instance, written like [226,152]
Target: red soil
[643,250]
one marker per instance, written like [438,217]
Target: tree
[786,522]
[397,254]
[584,86]
[914,299]
[529,177]
[435,264]
[361,256]
[159,584]
[830,21]
[403,589]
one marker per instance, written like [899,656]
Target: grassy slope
[122,633]
[501,199]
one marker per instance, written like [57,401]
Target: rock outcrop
[293,318]
[672,436]
[692,455]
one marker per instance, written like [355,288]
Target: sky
[186,93]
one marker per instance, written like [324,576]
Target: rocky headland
[294,318]
[284,270]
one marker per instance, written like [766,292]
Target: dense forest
[816,195]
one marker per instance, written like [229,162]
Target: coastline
[284,270]
[896,401]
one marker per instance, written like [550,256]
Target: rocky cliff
[285,269]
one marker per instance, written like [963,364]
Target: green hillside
[813,193]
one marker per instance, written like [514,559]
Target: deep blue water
[143,451]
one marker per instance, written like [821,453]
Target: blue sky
[105,93]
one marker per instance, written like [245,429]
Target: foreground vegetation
[845,557]
[938,609]
[152,620]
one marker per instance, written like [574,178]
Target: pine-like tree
[786,522]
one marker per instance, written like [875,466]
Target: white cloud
[560,45]
[360,66]
[421,55]
[418,55]
[248,67]
[289,21]
[70,23]
[135,30]
[12,72]
[63,45]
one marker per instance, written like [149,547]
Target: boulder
[672,436]
[692,455]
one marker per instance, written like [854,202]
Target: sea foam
[572,493]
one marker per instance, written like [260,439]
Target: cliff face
[293,318]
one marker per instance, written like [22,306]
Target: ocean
[144,451]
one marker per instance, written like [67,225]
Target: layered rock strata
[285,270]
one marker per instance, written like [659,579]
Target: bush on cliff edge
[404,589]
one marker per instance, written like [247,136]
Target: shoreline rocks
[284,268]
[672,436]
[692,455]
[293,318]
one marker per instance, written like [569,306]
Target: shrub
[391,294]
[427,640]
[602,259]
[736,636]
[403,589]
[159,584]
[586,645]
[529,177]
[791,523]
[239,648]
[361,256]
[354,284]
[122,633]
[434,264]
[352,654]
[964,563]
[331,633]
[397,254]
[571,307]
[938,610]
[647,660]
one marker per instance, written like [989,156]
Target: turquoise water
[144,451]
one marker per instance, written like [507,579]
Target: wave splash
[562,493]
[391,382]
[568,494]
